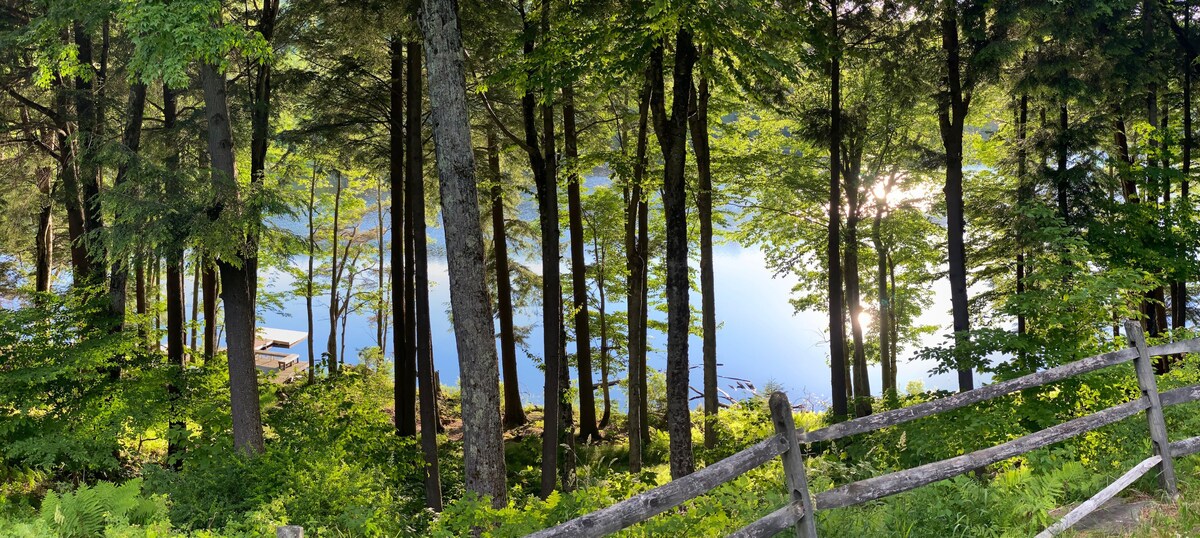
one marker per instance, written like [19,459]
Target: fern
[90,509]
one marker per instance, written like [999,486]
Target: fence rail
[798,513]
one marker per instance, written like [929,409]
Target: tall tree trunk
[44,247]
[672,139]
[542,163]
[952,114]
[131,139]
[579,290]
[309,276]
[708,301]
[514,413]
[837,328]
[337,267]
[601,259]
[176,303]
[405,362]
[477,392]
[237,274]
[483,445]
[381,303]
[1023,196]
[644,304]
[862,384]
[87,143]
[883,298]
[634,264]
[72,194]
[1061,183]
[192,338]
[1179,296]
[208,286]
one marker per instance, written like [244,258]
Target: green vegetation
[577,164]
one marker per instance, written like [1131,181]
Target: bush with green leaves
[63,408]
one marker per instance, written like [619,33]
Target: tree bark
[405,362]
[1179,296]
[579,288]
[44,242]
[208,286]
[635,264]
[308,292]
[883,298]
[237,274]
[337,267]
[952,113]
[708,301]
[474,382]
[483,446]
[72,193]
[1061,184]
[87,144]
[672,138]
[176,304]
[542,163]
[131,139]
[1023,196]
[514,413]
[837,327]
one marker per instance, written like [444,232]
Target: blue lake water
[761,338]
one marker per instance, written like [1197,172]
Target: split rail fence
[785,444]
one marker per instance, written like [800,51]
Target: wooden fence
[798,513]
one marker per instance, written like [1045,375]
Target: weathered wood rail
[798,513]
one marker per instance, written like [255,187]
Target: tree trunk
[131,139]
[635,264]
[483,445]
[474,363]
[601,258]
[1023,196]
[72,195]
[381,304]
[579,290]
[952,113]
[44,247]
[837,328]
[566,416]
[644,314]
[87,143]
[337,267]
[176,303]
[308,283]
[1061,184]
[884,300]
[208,286]
[672,138]
[405,362]
[862,384]
[1179,296]
[192,338]
[514,413]
[708,301]
[237,274]
[542,164]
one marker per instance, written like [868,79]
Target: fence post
[793,464]
[289,531]
[1154,414]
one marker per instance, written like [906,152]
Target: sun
[865,320]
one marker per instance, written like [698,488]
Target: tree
[514,413]
[483,447]
[671,132]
